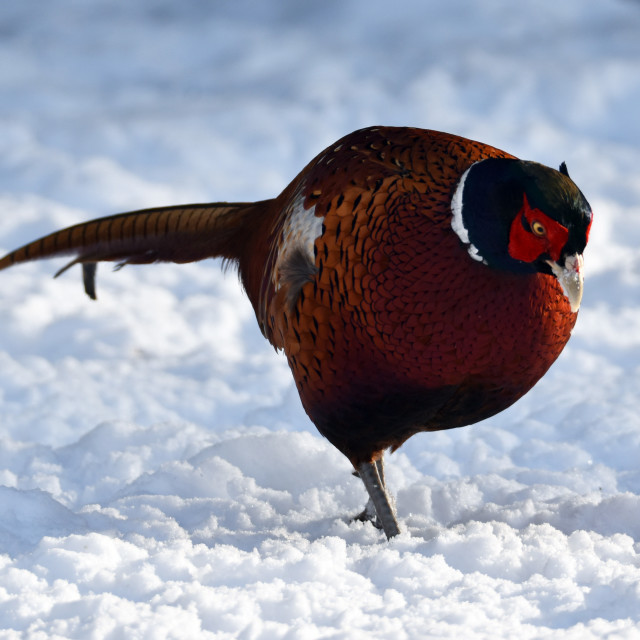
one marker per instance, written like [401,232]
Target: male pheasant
[415,280]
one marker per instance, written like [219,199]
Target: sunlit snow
[158,475]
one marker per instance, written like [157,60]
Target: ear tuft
[563,169]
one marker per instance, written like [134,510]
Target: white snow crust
[158,476]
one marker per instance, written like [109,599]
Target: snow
[159,476]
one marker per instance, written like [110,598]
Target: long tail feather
[168,234]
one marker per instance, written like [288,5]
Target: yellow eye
[538,229]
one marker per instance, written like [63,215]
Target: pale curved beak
[571,277]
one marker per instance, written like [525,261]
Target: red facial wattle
[534,234]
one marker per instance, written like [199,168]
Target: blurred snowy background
[158,475]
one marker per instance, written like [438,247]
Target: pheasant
[415,280]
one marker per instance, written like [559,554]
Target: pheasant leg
[368,514]
[372,474]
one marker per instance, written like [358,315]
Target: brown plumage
[412,286]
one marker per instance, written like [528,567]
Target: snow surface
[159,476]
